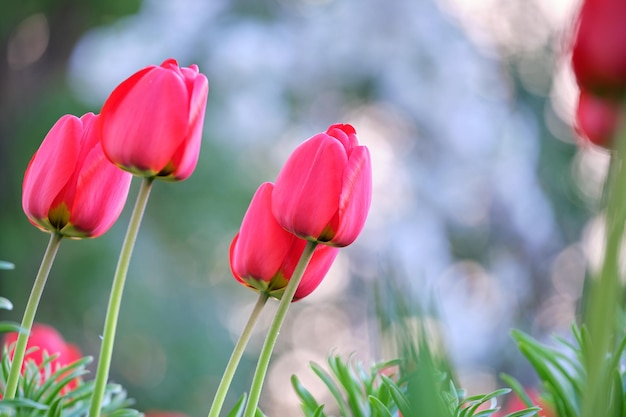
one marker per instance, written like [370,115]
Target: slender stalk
[235,357]
[272,335]
[115,299]
[603,308]
[29,314]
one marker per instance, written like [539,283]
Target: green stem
[235,357]
[115,299]
[272,335]
[603,308]
[29,314]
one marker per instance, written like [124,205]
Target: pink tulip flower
[324,191]
[263,255]
[599,50]
[70,187]
[151,124]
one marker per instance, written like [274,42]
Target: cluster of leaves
[562,371]
[419,384]
[375,392]
[45,390]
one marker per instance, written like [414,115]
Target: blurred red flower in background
[597,118]
[599,49]
[46,339]
[599,64]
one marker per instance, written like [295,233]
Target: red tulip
[324,191]
[599,51]
[47,339]
[70,187]
[263,255]
[597,118]
[151,124]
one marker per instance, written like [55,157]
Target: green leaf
[332,387]
[259,413]
[25,403]
[319,412]
[351,385]
[383,394]
[6,265]
[9,326]
[55,408]
[56,381]
[5,304]
[378,407]
[517,388]
[525,413]
[239,407]
[560,392]
[309,404]
[125,413]
[496,393]
[563,384]
[617,400]
[398,396]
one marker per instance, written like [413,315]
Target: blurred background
[483,203]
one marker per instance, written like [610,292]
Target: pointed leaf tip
[6,265]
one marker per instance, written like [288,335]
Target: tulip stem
[235,357]
[601,315]
[29,314]
[272,334]
[115,299]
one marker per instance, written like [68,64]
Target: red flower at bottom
[42,339]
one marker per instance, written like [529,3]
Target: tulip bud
[70,187]
[151,124]
[324,191]
[597,118]
[599,50]
[263,255]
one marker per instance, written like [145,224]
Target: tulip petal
[51,167]
[318,267]
[144,120]
[344,133]
[262,243]
[306,196]
[101,194]
[186,157]
[356,197]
